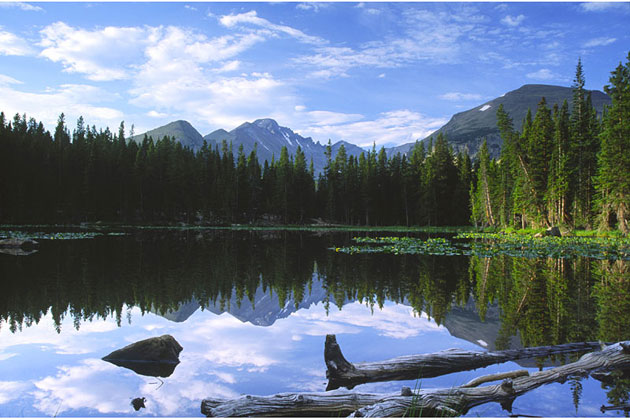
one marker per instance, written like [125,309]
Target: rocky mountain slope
[466,130]
[269,139]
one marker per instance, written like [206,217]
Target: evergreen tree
[483,207]
[613,180]
[559,173]
[583,152]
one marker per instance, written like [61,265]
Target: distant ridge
[271,137]
[181,130]
[466,130]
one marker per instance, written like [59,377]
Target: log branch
[431,402]
[495,377]
[342,373]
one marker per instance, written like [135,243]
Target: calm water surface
[251,310]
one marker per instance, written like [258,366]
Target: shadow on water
[260,277]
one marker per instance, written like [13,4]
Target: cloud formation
[460,96]
[543,74]
[252,18]
[599,42]
[101,55]
[513,20]
[27,7]
[11,44]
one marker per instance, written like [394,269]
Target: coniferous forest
[567,166]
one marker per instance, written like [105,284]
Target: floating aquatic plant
[494,244]
[54,235]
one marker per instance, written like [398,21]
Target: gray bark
[341,373]
[426,402]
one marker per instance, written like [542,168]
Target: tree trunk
[426,402]
[341,373]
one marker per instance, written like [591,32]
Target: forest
[567,167]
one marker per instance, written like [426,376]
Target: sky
[383,73]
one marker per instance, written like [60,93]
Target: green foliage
[487,245]
[613,182]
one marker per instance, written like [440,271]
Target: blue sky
[362,72]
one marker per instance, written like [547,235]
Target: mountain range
[465,131]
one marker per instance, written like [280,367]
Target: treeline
[90,175]
[566,166]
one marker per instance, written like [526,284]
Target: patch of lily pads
[494,244]
[400,245]
[4,234]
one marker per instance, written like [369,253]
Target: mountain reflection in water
[68,305]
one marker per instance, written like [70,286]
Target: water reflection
[62,309]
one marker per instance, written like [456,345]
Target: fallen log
[427,402]
[341,373]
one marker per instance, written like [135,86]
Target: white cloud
[596,6]
[397,127]
[155,114]
[599,42]
[19,5]
[11,44]
[393,320]
[252,18]
[438,37]
[101,55]
[7,80]
[325,118]
[72,100]
[543,74]
[512,20]
[10,390]
[459,96]
[314,6]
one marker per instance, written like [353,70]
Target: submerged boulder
[18,247]
[138,403]
[157,356]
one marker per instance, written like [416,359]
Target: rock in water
[138,403]
[157,356]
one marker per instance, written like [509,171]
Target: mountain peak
[181,130]
[267,123]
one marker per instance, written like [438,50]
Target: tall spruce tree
[583,152]
[559,175]
[613,180]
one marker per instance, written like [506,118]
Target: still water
[251,310]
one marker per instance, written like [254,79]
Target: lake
[251,310]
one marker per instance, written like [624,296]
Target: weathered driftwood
[431,402]
[495,377]
[341,373]
[311,404]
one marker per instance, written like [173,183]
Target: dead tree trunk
[341,373]
[429,402]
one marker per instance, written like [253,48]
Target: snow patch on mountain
[484,108]
[286,136]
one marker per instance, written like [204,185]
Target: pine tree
[483,207]
[539,151]
[559,174]
[508,167]
[613,180]
[583,152]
